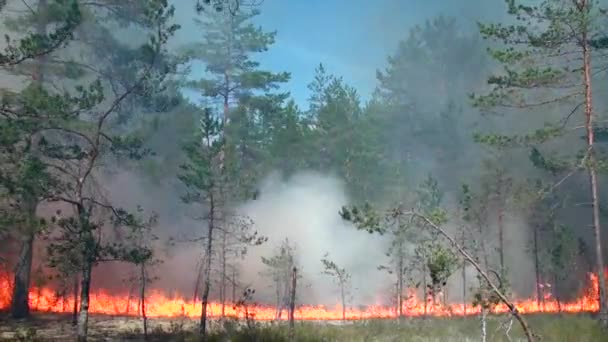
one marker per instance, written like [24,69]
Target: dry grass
[52,327]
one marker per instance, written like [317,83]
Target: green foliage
[66,13]
[364,218]
[538,136]
[535,75]
[199,172]
[552,165]
[330,268]
[441,264]
[251,108]
[279,268]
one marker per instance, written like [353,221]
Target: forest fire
[159,304]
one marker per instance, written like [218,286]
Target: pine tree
[24,177]
[235,83]
[344,137]
[201,175]
[538,72]
[75,154]
[419,101]
[341,276]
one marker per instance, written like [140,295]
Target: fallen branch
[513,310]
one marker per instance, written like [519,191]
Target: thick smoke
[305,209]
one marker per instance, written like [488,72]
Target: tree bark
[223,285]
[593,182]
[556,293]
[292,304]
[400,282]
[279,299]
[207,284]
[75,288]
[484,334]
[20,307]
[83,314]
[501,226]
[425,289]
[343,297]
[464,279]
[539,295]
[142,299]
[20,297]
[233,285]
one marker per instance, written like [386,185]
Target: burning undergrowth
[302,209]
[159,304]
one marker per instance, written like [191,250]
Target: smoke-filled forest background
[119,153]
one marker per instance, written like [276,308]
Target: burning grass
[159,305]
[554,328]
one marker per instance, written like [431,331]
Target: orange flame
[159,304]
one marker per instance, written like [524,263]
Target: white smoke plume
[305,209]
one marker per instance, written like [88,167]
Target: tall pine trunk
[20,307]
[501,226]
[400,281]
[593,182]
[343,297]
[292,304]
[85,289]
[142,299]
[75,288]
[20,298]
[207,272]
[464,278]
[89,250]
[224,276]
[539,295]
[425,290]
[233,285]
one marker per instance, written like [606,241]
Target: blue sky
[352,38]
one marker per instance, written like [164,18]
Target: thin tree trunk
[75,289]
[501,228]
[278,293]
[484,334]
[233,285]
[482,245]
[83,314]
[343,297]
[556,294]
[400,283]
[537,270]
[292,304]
[207,284]
[464,279]
[593,182]
[223,284]
[142,299]
[197,283]
[425,289]
[130,296]
[512,309]
[464,288]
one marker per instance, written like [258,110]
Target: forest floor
[554,328]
